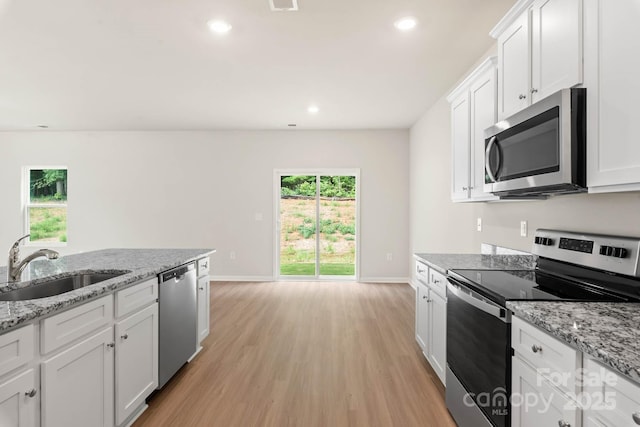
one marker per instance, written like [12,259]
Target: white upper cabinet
[539,51]
[612,66]
[513,71]
[473,109]
[460,146]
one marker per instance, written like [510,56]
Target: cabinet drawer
[438,282]
[553,359]
[137,296]
[614,399]
[66,327]
[203,266]
[16,348]
[422,272]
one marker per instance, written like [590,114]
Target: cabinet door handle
[536,348]
[563,423]
[424,297]
[429,300]
[522,96]
[202,289]
[125,336]
[31,393]
[465,188]
[534,90]
[636,418]
[111,344]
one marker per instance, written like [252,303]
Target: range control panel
[617,254]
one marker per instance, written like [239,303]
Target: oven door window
[479,354]
[527,149]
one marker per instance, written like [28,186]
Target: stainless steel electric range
[570,267]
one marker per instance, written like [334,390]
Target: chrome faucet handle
[14,252]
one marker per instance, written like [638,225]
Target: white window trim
[26,205]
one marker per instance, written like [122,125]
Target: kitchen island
[91,356]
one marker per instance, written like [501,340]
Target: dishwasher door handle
[480,304]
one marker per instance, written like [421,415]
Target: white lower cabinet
[204,294]
[136,363]
[431,318]
[19,400]
[610,400]
[77,384]
[535,402]
[437,354]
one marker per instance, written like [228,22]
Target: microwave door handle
[487,163]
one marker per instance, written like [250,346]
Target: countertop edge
[558,332]
[31,310]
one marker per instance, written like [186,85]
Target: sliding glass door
[317,225]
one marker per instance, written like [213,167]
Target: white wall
[438,225]
[203,189]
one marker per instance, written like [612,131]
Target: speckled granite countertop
[608,332]
[139,264]
[444,262]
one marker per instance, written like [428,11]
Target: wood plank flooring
[305,354]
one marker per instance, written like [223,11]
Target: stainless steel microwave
[540,150]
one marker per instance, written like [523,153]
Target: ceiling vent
[283,5]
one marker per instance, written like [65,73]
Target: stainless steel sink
[58,286]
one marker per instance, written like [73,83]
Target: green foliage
[48,185]
[347,229]
[307,230]
[330,186]
[44,224]
[349,238]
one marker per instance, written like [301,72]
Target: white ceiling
[153,64]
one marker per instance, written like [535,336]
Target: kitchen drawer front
[617,399]
[553,359]
[438,282]
[66,327]
[422,272]
[136,297]
[16,348]
[203,266]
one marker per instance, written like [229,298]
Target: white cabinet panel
[422,316]
[18,400]
[16,348]
[72,324]
[460,138]
[437,330]
[137,296]
[77,384]
[204,289]
[612,37]
[536,403]
[556,46]
[513,68]
[136,360]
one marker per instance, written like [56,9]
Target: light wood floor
[305,354]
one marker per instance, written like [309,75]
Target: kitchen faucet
[16,266]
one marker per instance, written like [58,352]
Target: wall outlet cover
[479,225]
[523,228]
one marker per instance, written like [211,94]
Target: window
[45,192]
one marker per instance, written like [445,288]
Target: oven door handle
[480,304]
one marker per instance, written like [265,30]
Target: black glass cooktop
[501,286]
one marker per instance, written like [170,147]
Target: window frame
[27,205]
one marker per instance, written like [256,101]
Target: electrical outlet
[479,226]
[232,255]
[523,228]
[389,256]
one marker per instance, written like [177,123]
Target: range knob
[619,252]
[544,241]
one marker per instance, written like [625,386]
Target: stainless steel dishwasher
[177,319]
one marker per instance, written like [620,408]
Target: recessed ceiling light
[43,126]
[406,24]
[219,27]
[292,125]
[313,109]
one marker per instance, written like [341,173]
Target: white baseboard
[384,280]
[241,278]
[413,284]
